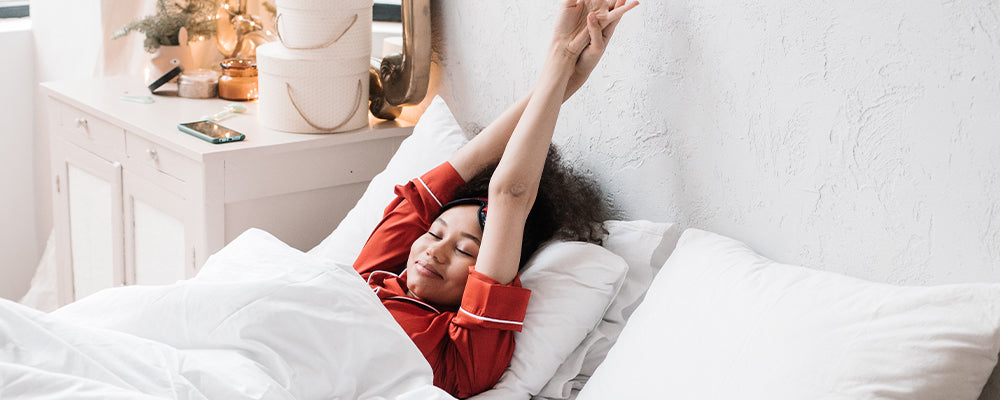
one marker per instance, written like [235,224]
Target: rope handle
[277,29]
[357,103]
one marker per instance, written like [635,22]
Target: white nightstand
[138,201]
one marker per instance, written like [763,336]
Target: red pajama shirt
[468,347]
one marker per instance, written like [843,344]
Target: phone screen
[213,130]
[210,132]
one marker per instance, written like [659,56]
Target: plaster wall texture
[853,136]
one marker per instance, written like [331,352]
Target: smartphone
[210,131]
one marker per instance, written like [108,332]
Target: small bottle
[238,80]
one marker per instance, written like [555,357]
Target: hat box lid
[273,58]
[323,4]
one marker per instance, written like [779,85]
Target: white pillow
[644,245]
[721,322]
[435,137]
[571,285]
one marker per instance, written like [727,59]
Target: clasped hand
[583,29]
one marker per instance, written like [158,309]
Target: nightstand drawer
[146,153]
[94,134]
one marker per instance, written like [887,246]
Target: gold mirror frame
[401,79]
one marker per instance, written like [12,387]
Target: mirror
[401,79]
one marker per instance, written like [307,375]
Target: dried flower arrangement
[162,28]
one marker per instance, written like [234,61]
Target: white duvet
[260,321]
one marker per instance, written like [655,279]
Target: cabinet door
[89,214]
[158,233]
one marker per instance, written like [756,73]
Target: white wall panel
[19,248]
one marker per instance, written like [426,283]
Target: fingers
[620,10]
[598,20]
[597,37]
[615,16]
[615,13]
[579,42]
[610,29]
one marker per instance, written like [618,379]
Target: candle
[239,80]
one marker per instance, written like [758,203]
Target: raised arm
[514,185]
[487,147]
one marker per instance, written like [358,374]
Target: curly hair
[569,205]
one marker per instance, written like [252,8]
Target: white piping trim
[488,319]
[376,289]
[379,272]
[429,191]
[416,301]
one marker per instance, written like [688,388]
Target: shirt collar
[388,285]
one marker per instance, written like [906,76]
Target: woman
[458,295]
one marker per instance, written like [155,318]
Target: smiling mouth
[423,269]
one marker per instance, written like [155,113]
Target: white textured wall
[18,249]
[855,136]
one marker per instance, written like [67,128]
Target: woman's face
[438,265]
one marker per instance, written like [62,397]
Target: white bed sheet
[261,320]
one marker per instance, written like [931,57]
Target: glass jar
[238,80]
[198,84]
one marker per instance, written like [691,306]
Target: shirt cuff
[488,304]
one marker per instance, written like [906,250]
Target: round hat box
[332,26]
[309,92]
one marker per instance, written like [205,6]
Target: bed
[655,312]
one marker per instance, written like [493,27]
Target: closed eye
[435,236]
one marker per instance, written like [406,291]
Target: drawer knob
[81,122]
[152,154]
